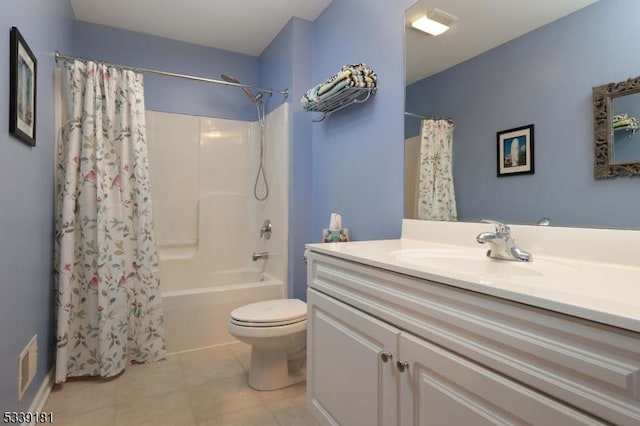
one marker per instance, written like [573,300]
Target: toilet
[277,333]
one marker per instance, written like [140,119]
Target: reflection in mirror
[436,193]
[411,165]
[429,189]
[545,78]
[626,137]
[616,108]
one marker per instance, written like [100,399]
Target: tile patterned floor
[200,388]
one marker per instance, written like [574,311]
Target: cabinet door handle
[386,356]
[402,365]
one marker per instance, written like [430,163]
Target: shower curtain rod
[66,58]
[424,117]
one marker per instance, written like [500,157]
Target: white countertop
[608,293]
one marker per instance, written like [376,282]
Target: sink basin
[468,264]
[440,258]
[411,255]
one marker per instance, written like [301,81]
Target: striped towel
[357,75]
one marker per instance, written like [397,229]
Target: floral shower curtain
[436,195]
[109,308]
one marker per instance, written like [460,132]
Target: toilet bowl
[277,333]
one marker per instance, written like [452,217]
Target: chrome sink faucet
[502,245]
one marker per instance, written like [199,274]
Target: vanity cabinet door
[440,388]
[351,374]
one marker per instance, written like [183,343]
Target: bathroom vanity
[418,332]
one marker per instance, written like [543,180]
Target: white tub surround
[208,222]
[202,174]
[432,331]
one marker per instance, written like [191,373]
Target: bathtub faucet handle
[265,231]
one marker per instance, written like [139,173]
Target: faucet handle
[501,228]
[545,221]
[265,231]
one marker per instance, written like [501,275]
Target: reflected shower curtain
[436,195]
[109,309]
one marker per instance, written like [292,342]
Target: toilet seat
[270,313]
[264,324]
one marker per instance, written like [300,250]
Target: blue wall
[543,78]
[358,152]
[286,62]
[26,191]
[300,182]
[171,94]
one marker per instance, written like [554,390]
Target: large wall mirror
[542,76]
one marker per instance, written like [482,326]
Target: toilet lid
[272,312]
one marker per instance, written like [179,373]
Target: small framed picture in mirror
[515,151]
[22,90]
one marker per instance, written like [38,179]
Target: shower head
[246,91]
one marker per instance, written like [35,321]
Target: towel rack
[342,99]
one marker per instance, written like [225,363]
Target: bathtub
[197,317]
[208,222]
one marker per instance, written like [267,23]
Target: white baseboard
[39,401]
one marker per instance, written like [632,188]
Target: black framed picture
[22,90]
[515,151]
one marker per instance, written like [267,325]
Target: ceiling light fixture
[434,22]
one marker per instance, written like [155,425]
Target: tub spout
[264,255]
